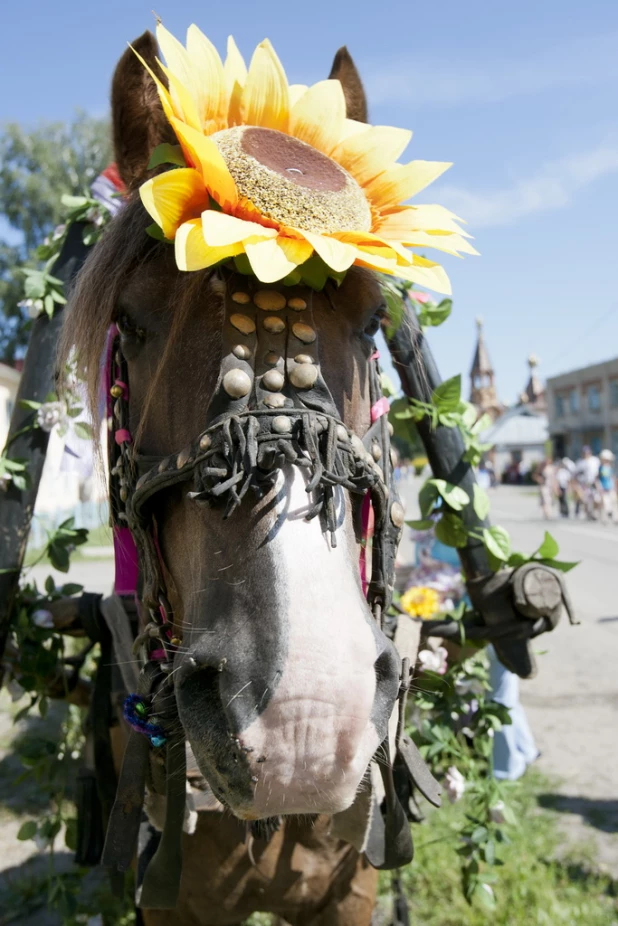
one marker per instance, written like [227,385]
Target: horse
[282,678]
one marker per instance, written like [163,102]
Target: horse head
[247,405]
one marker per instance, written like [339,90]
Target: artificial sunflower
[420,601]
[276,174]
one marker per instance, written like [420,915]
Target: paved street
[572,704]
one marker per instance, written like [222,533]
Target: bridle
[271,408]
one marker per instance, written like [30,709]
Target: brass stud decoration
[241,298]
[397,514]
[304,333]
[273,324]
[242,323]
[237,383]
[241,351]
[282,424]
[272,357]
[297,304]
[269,300]
[183,458]
[304,375]
[273,380]
[303,358]
[205,442]
[276,400]
[376,451]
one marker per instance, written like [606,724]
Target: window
[574,401]
[594,398]
[559,406]
[613,393]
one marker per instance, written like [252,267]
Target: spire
[534,393]
[482,386]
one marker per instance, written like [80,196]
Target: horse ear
[138,120]
[344,70]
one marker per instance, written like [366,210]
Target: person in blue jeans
[514,748]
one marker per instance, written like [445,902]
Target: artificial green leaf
[454,496]
[388,387]
[422,525]
[497,542]
[427,498]
[83,430]
[558,564]
[28,403]
[167,154]
[20,482]
[548,549]
[451,530]
[517,559]
[447,396]
[27,830]
[71,588]
[74,202]
[480,502]
[431,315]
[484,422]
[155,231]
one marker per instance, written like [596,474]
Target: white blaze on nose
[315,735]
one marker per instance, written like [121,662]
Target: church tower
[482,385]
[534,393]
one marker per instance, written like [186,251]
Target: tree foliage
[37,167]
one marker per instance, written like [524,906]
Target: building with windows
[583,409]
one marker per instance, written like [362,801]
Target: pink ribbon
[122,436]
[380,408]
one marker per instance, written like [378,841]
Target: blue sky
[521,97]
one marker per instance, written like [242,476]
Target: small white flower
[464,686]
[497,812]
[433,660]
[51,414]
[454,784]
[43,619]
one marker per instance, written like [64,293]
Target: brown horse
[284,681]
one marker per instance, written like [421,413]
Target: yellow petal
[449,244]
[336,254]
[205,156]
[296,91]
[184,87]
[373,244]
[318,117]
[402,181]
[221,229]
[235,71]
[433,277]
[270,261]
[265,98]
[298,250]
[403,219]
[164,95]
[192,252]
[210,80]
[367,154]
[352,127]
[174,197]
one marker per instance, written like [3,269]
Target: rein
[271,408]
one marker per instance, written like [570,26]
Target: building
[519,441]
[482,378]
[534,395]
[9,381]
[583,409]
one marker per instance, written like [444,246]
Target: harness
[271,408]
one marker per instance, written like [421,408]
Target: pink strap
[122,436]
[126,562]
[380,408]
[375,355]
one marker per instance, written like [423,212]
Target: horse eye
[128,329]
[374,324]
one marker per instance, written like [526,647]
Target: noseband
[271,408]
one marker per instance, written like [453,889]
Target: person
[606,486]
[586,474]
[564,477]
[545,477]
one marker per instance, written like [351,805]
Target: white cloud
[421,81]
[553,186]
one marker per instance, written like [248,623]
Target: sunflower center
[292,183]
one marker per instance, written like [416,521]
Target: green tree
[36,169]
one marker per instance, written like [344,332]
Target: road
[572,703]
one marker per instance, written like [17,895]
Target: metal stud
[272,357]
[241,351]
[304,375]
[342,433]
[123,494]
[376,451]
[276,400]
[297,303]
[116,391]
[282,424]
[397,514]
[303,358]
[273,324]
[273,380]
[357,446]
[393,457]
[242,323]
[391,429]
[205,442]
[140,482]
[162,466]
[241,298]
[304,333]
[183,458]
[269,300]
[237,383]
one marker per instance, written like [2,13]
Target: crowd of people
[585,488]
